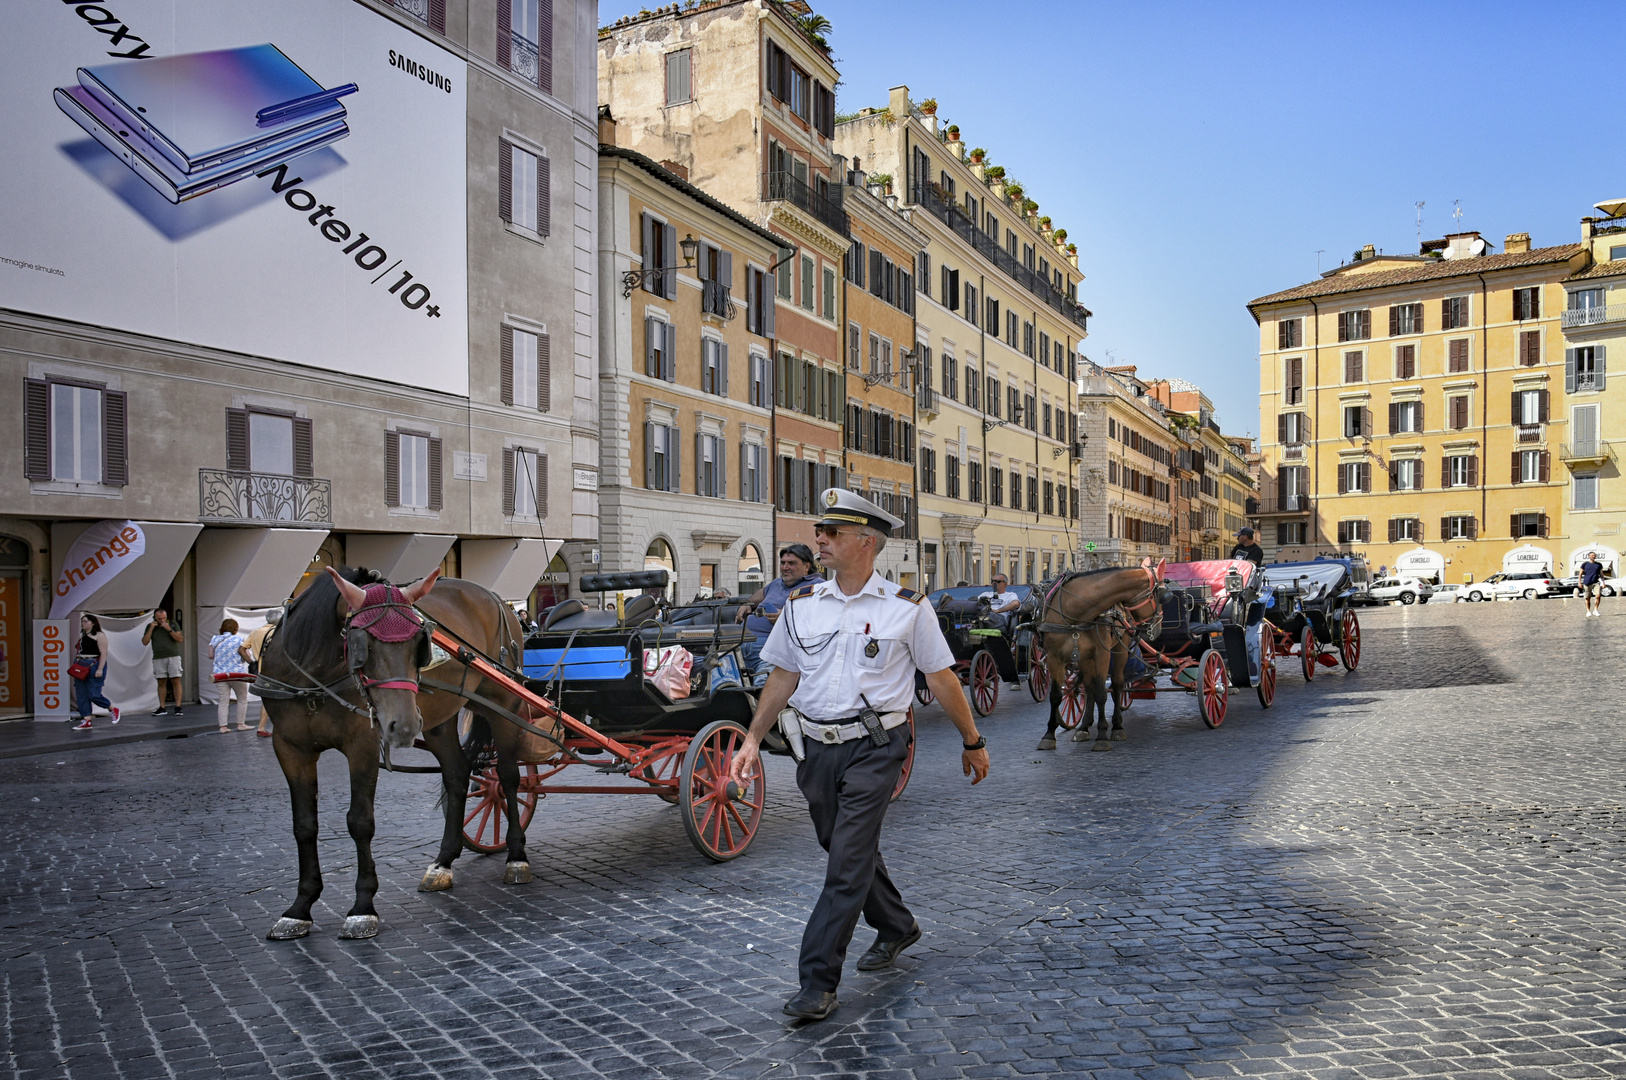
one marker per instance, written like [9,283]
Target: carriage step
[1327,660]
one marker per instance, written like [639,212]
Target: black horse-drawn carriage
[1313,612]
[987,649]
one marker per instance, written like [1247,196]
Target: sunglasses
[832,531]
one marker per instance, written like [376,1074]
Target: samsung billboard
[282,179]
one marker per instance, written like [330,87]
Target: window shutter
[1516,469]
[1366,476]
[505,159]
[1343,326]
[1514,412]
[1541,526]
[1569,371]
[1513,525]
[505,34]
[237,440]
[1446,322]
[699,463]
[669,265]
[722,468]
[1541,406]
[647,252]
[436,501]
[674,459]
[37,429]
[1445,528]
[1394,478]
[1419,483]
[1366,422]
[669,354]
[1445,472]
[746,492]
[1394,417]
[1394,331]
[505,389]
[303,458]
[1599,364]
[392,468]
[722,368]
[1473,470]
[508,481]
[1343,480]
[654,341]
[544,374]
[544,55]
[649,454]
[115,439]
[1394,526]
[751,301]
[1473,528]
[765,298]
[725,269]
[544,201]
[1422,424]
[437,16]
[1546,462]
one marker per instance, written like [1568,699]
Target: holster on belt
[790,726]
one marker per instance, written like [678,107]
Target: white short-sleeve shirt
[826,637]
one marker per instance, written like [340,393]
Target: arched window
[750,576]
[660,557]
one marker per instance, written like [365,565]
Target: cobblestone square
[1413,870]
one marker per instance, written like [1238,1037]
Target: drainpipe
[1484,399]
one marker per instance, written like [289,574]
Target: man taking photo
[165,639]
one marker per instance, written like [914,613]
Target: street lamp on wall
[633,279]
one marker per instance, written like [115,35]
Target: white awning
[1419,562]
[509,568]
[253,568]
[397,557]
[1606,555]
[1527,557]
[141,585]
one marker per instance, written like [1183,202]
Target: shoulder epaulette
[801,591]
[911,595]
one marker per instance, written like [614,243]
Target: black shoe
[176,711]
[159,711]
[811,1004]
[883,954]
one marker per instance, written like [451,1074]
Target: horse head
[386,643]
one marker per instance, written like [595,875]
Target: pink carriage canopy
[1212,572]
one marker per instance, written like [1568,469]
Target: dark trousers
[848,787]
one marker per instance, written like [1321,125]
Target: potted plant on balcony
[1058,236]
[993,173]
[954,133]
[1072,249]
[977,155]
[1013,192]
[1029,207]
[881,180]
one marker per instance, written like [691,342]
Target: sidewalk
[25,736]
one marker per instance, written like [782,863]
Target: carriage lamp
[633,279]
[1233,581]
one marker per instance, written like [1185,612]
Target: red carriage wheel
[1072,709]
[1038,675]
[667,767]
[720,828]
[923,694]
[908,762]
[485,818]
[984,683]
[1309,652]
[1267,668]
[1349,641]
[1211,688]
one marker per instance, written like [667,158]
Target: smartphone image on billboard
[198,122]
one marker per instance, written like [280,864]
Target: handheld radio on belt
[872,723]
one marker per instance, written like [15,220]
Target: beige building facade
[1129,478]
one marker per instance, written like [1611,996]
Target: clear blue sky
[1201,154]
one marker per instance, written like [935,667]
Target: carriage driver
[844,654]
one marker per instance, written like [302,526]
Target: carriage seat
[575,615]
[638,609]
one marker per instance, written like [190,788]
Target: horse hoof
[1101,746]
[1119,735]
[1081,734]
[289,929]
[1046,743]
[359,926]
[436,879]
[517,873]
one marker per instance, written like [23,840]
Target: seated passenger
[1001,604]
[761,611]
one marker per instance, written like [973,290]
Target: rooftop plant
[978,154]
[993,172]
[929,106]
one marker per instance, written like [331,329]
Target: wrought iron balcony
[1250,506]
[788,187]
[716,299]
[1593,316]
[248,498]
[1589,380]
[1592,452]
[1293,452]
[1529,432]
[522,57]
[418,9]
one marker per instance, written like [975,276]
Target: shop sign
[101,553]
[53,652]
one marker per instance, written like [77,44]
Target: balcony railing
[927,401]
[522,57]
[791,188]
[261,498]
[954,216]
[418,9]
[1589,380]
[1592,450]
[1593,316]
[1293,452]
[1250,506]
[1529,432]
[715,299]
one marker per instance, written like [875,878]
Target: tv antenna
[1457,213]
[1419,205]
[1318,253]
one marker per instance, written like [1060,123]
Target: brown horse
[342,672]
[1081,632]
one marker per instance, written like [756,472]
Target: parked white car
[1525,584]
[1448,594]
[1407,590]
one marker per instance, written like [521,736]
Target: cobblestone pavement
[1413,870]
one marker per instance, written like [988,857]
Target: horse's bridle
[391,604]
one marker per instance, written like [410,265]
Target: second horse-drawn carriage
[989,647]
[1313,613]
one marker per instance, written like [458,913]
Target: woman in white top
[230,652]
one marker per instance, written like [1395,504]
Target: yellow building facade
[1413,409]
[998,329]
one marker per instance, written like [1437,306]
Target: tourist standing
[165,639]
[92,658]
[256,648]
[230,652]
[1591,584]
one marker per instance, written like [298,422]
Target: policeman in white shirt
[844,654]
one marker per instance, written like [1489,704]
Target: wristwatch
[980,744]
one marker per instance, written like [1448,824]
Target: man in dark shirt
[1591,584]
[1247,549]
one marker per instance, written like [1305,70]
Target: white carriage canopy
[1421,563]
[1310,576]
[1606,555]
[1527,558]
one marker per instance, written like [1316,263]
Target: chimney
[1367,252]
[899,103]
[606,126]
[1516,243]
[679,171]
